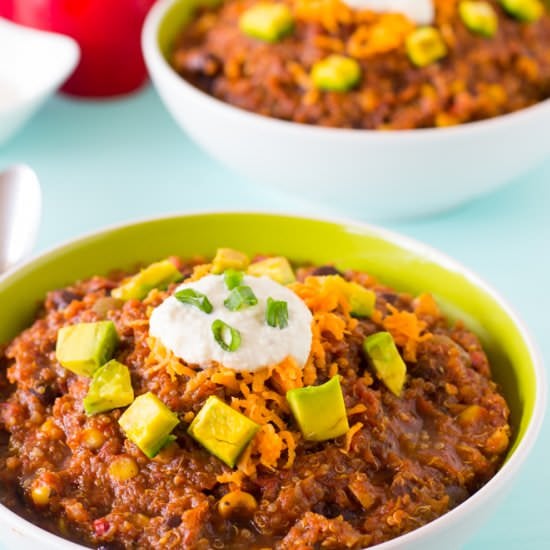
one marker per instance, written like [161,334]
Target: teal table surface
[108,162]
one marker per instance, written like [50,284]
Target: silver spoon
[20,209]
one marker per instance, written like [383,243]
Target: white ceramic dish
[33,64]
[371,174]
[321,241]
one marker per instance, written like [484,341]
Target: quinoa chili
[329,64]
[406,450]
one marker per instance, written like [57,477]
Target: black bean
[46,394]
[173,521]
[62,298]
[326,270]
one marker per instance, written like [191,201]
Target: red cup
[109,35]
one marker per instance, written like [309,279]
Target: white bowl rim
[440,524]
[63,70]
[153,55]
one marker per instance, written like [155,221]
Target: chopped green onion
[276,313]
[194,298]
[233,278]
[227,337]
[240,297]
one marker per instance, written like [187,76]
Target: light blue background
[107,162]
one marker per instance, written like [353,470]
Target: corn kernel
[237,504]
[470,415]
[123,468]
[40,494]
[498,441]
[51,430]
[93,438]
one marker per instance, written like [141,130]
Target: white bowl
[368,173]
[33,65]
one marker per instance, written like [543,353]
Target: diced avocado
[222,430]
[387,362]
[277,268]
[336,73]
[479,17]
[84,347]
[157,275]
[319,410]
[228,258]
[148,422]
[425,46]
[265,21]
[110,388]
[524,10]
[361,300]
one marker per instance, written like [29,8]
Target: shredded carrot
[359,408]
[287,375]
[331,323]
[160,358]
[138,323]
[290,443]
[246,465]
[349,435]
[329,43]
[425,305]
[333,370]
[329,13]
[386,34]
[200,271]
[233,478]
[269,445]
[309,374]
[406,329]
[259,378]
[227,378]
[299,74]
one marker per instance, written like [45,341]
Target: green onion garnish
[228,338]
[233,278]
[276,313]
[194,298]
[241,296]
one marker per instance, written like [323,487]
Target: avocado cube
[221,430]
[228,258]
[268,22]
[110,388]
[277,268]
[527,11]
[148,423]
[479,17]
[387,362]
[84,347]
[157,275]
[320,411]
[336,73]
[425,46]
[361,300]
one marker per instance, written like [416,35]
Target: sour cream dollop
[419,11]
[187,331]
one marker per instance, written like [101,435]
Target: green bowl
[396,260]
